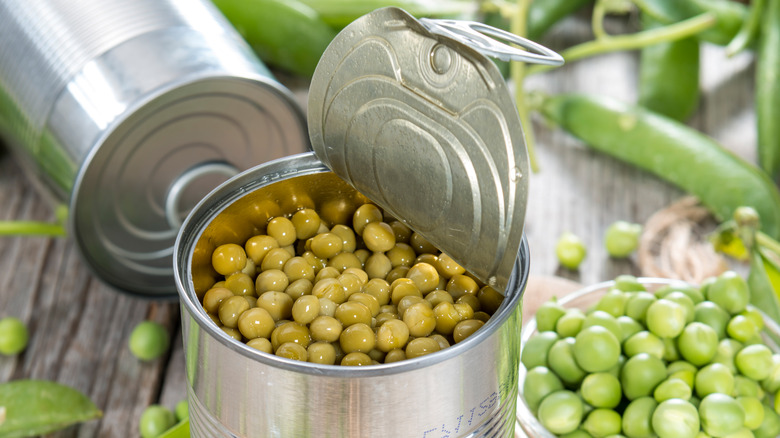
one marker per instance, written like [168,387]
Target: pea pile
[683,362]
[375,292]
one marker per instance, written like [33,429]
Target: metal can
[130,112]
[466,390]
[402,113]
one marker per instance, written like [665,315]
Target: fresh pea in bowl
[650,356]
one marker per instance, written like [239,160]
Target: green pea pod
[671,150]
[284,33]
[729,15]
[669,76]
[339,13]
[36,407]
[180,430]
[768,91]
[543,14]
[764,282]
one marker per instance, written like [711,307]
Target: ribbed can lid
[414,116]
[153,167]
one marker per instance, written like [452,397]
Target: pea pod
[672,151]
[339,13]
[768,91]
[284,33]
[36,407]
[729,15]
[669,76]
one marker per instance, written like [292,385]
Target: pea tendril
[636,40]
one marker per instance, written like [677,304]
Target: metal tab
[423,125]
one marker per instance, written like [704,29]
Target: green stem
[672,32]
[518,26]
[597,20]
[767,242]
[31,228]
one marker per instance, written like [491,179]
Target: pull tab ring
[478,36]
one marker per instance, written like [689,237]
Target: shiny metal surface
[423,125]
[466,390]
[115,105]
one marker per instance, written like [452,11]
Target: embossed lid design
[414,116]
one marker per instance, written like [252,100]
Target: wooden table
[79,327]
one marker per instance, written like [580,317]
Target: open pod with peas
[398,244]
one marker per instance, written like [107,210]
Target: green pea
[13,336]
[570,323]
[536,349]
[570,251]
[602,422]
[637,305]
[745,387]
[539,382]
[754,361]
[671,352]
[644,342]
[641,374]
[772,382]
[714,378]
[628,327]
[721,414]
[665,318]
[547,315]
[628,283]
[675,418]
[754,411]
[682,370]
[713,315]
[692,292]
[155,420]
[683,300]
[601,390]
[579,433]
[729,291]
[770,427]
[561,360]
[698,343]
[603,319]
[637,418]
[149,340]
[561,412]
[754,315]
[622,238]
[741,328]
[613,302]
[596,349]
[181,410]
[726,352]
[672,388]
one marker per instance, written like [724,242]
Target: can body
[130,112]
[466,390]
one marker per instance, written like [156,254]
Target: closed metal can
[404,114]
[130,112]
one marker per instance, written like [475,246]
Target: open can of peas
[372,287]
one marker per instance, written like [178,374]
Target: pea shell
[671,150]
[36,407]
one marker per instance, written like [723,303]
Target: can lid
[414,116]
[135,189]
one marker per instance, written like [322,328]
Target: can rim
[309,164]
